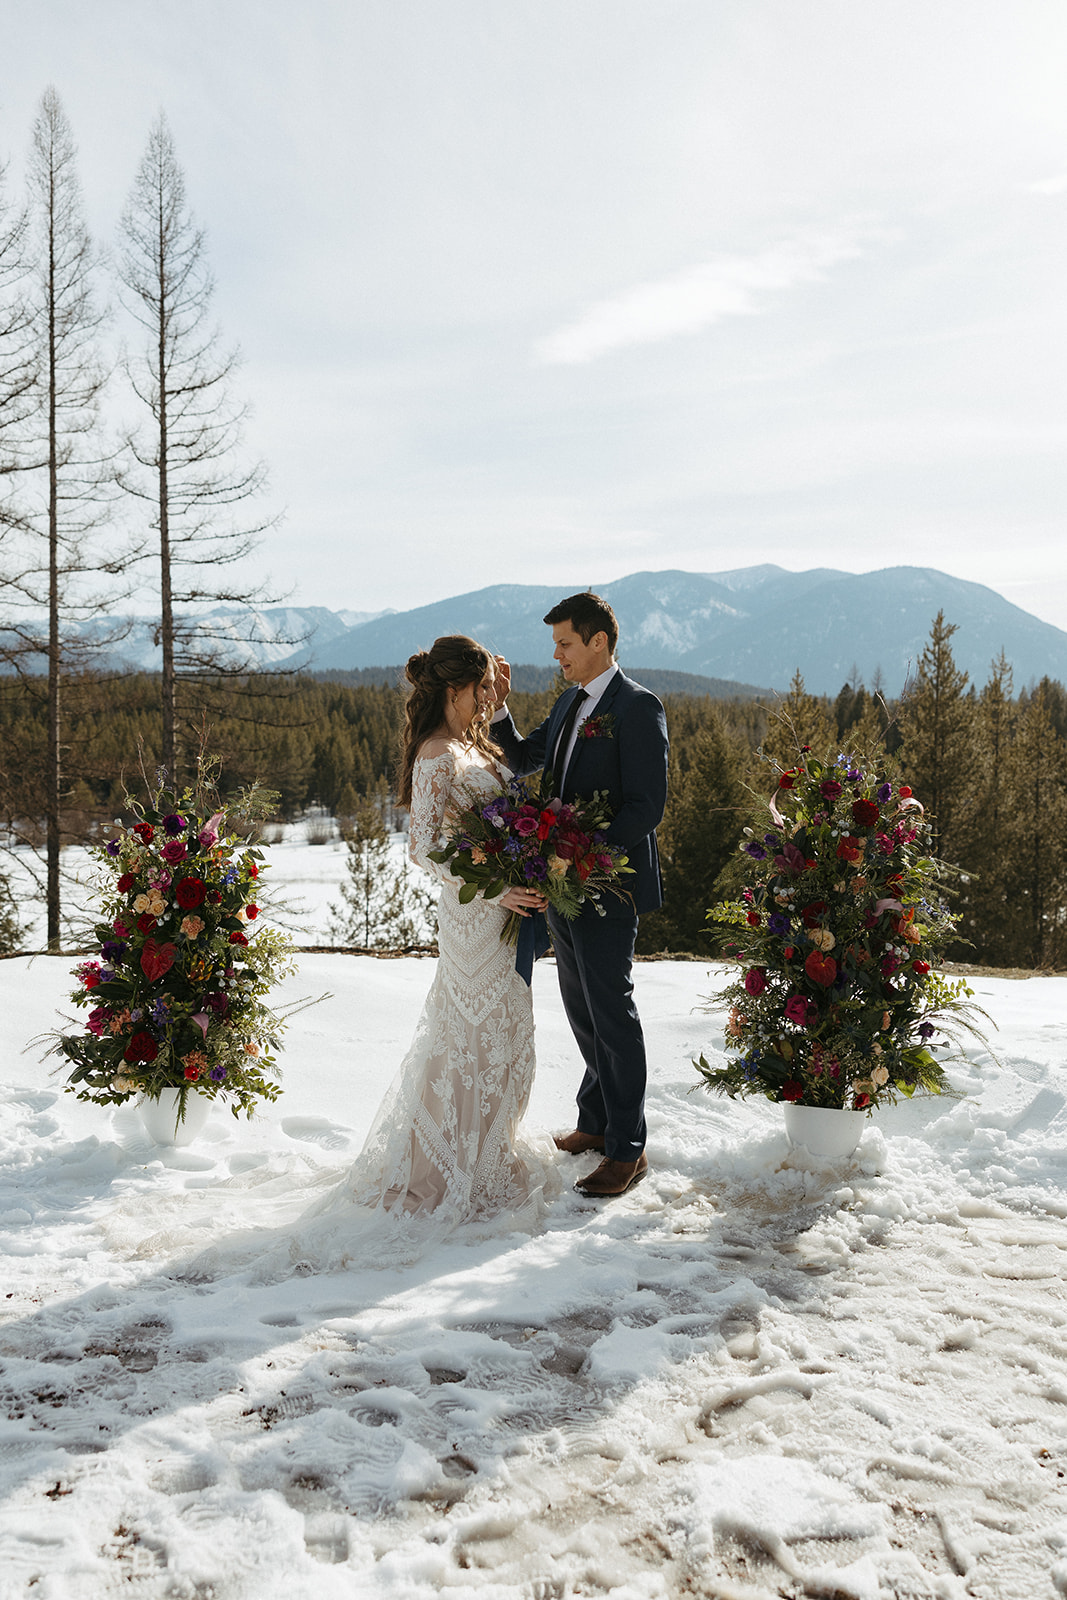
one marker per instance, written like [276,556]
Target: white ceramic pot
[160,1115]
[822,1131]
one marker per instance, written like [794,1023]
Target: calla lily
[202,1019]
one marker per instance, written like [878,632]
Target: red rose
[145,923]
[830,789]
[860,1101]
[864,813]
[787,780]
[904,792]
[142,1047]
[811,913]
[753,919]
[921,967]
[192,1073]
[791,1090]
[251,912]
[127,881]
[789,952]
[190,893]
[90,979]
[237,937]
[144,831]
[756,980]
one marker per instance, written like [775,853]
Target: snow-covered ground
[752,1377]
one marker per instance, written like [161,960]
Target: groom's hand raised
[501,681]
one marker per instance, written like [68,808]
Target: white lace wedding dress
[445,1147]
[445,1139]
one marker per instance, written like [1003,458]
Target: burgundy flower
[127,881]
[144,831]
[756,980]
[190,893]
[792,1090]
[142,1047]
[830,789]
[864,813]
[174,851]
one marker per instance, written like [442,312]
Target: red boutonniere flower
[602,727]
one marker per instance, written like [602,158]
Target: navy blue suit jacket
[628,761]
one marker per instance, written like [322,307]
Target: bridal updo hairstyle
[454,662]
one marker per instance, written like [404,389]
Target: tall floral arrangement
[175,992]
[838,1001]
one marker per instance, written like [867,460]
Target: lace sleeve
[432,783]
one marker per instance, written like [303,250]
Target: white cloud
[688,302]
[1056,185]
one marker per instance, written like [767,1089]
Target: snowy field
[752,1377]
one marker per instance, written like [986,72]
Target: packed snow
[756,1375]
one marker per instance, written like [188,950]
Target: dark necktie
[559,765]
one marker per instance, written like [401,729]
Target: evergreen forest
[988,762]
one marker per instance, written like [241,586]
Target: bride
[445,1139]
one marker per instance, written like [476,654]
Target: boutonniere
[599,727]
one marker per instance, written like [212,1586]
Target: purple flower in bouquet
[779,923]
[535,869]
[113,847]
[217,1074]
[756,851]
[173,825]
[883,793]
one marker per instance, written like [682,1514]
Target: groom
[604,733]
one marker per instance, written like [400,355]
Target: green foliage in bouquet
[176,995]
[838,1002]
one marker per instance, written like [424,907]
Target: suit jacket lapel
[602,708]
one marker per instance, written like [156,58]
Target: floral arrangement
[175,995]
[838,1000]
[517,839]
[598,726]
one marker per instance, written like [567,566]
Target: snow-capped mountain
[754,625]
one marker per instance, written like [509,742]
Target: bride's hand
[524,901]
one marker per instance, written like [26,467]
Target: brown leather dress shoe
[577,1143]
[612,1178]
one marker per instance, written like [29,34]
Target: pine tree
[70,460]
[187,466]
[799,723]
[698,836]
[1036,838]
[384,907]
[937,727]
[984,899]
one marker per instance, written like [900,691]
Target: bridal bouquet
[836,934]
[175,993]
[516,840]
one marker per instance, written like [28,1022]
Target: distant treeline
[990,766]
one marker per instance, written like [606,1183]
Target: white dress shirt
[594,690]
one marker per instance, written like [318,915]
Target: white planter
[160,1116]
[822,1131]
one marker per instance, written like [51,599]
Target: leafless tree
[62,452]
[187,463]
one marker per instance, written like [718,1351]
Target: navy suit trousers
[594,958]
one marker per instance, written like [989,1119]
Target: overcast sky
[559,290]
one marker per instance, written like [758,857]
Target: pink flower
[525,826]
[174,851]
[209,833]
[797,1008]
[98,1017]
